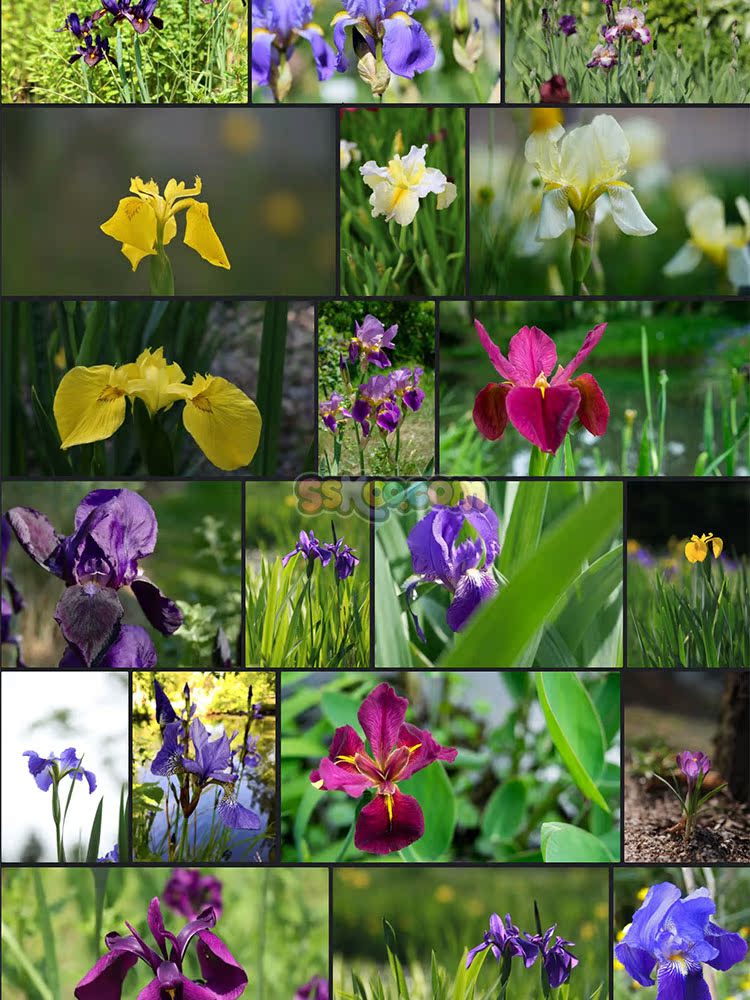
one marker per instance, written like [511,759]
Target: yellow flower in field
[696,549]
[146,223]
[445,894]
[91,403]
[398,188]
[223,421]
[711,237]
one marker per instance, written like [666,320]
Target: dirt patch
[722,834]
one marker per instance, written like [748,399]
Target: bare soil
[722,833]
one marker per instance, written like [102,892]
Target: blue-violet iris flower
[406,46]
[555,955]
[505,939]
[675,937]
[277,26]
[14,602]
[48,770]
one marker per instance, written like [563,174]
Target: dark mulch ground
[722,834]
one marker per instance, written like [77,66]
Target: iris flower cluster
[94,48]
[221,974]
[674,937]
[199,763]
[49,772]
[391,820]
[338,553]
[455,547]
[113,531]
[380,402]
[91,405]
[13,603]
[507,942]
[626,24]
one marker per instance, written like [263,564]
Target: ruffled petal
[554,215]
[87,406]
[731,947]
[590,341]
[133,225]
[160,610]
[389,823]
[89,619]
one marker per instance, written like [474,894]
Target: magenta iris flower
[14,602]
[540,403]
[693,763]
[47,771]
[114,530]
[316,989]
[391,820]
[505,939]
[407,48]
[370,342]
[675,937]
[188,892]
[456,547]
[223,978]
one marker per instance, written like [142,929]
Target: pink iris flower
[392,820]
[539,402]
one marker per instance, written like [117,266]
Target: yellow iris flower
[90,405]
[146,223]
[696,549]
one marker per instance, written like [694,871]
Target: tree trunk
[732,755]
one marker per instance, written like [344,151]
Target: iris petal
[382,828]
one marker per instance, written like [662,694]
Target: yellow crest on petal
[224,422]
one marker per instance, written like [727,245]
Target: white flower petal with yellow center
[579,167]
[348,151]
[398,188]
[726,246]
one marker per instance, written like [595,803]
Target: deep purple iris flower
[392,820]
[332,411]
[316,989]
[223,978]
[91,50]
[114,530]
[370,342]
[140,15]
[380,399]
[165,713]
[693,764]
[464,567]
[675,937]
[505,939]
[277,26]
[188,892]
[567,24]
[13,603]
[345,561]
[47,771]
[406,46]
[556,956]
[76,26]
[310,547]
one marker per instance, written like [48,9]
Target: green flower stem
[398,447]
[538,462]
[57,817]
[580,254]
[161,279]
[348,840]
[360,450]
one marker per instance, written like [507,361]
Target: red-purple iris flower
[114,530]
[392,820]
[223,978]
[316,989]
[188,892]
[539,402]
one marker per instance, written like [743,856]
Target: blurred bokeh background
[196,563]
[274,922]
[268,179]
[660,511]
[675,159]
[87,711]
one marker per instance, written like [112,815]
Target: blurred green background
[196,563]
[448,909]
[698,344]
[274,922]
[268,179]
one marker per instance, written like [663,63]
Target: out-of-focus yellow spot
[617,964]
[445,894]
[744,932]
[355,877]
[745,983]
[398,142]
[544,118]
[241,131]
[601,911]
[642,893]
[283,213]
[634,985]
[633,547]
[60,361]
[474,908]
[587,931]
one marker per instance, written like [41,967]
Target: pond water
[256,790]
[623,387]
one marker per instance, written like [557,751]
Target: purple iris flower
[114,530]
[567,24]
[14,602]
[372,396]
[694,764]
[406,46]
[140,15]
[277,26]
[223,978]
[77,27]
[165,713]
[463,567]
[405,386]
[504,939]
[388,416]
[370,341]
[332,410]
[169,758]
[249,754]
[556,956]
[676,937]
[316,989]
[258,710]
[345,559]
[187,892]
[111,857]
[47,771]
[309,547]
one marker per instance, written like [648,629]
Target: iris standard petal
[221,970]
[394,202]
[346,744]
[389,823]
[407,48]
[133,225]
[427,750]
[627,211]
[502,364]
[543,419]
[590,341]
[201,236]
[731,947]
[650,916]
[381,716]
[222,420]
[104,981]
[474,587]
[160,610]
[89,405]
[593,409]
[532,353]
[484,521]
[89,618]
[126,523]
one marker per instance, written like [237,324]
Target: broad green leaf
[524,526]
[504,812]
[339,709]
[434,792]
[504,627]
[562,842]
[607,701]
[575,728]
[301,746]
